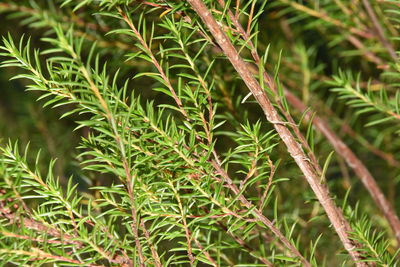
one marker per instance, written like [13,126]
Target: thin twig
[154,60]
[154,253]
[208,256]
[352,38]
[379,31]
[325,17]
[271,176]
[36,254]
[250,17]
[244,245]
[188,233]
[258,214]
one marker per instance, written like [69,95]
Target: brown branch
[271,176]
[258,214]
[154,253]
[340,147]
[271,84]
[37,254]
[352,37]
[325,17]
[129,185]
[243,244]
[379,31]
[354,162]
[188,233]
[208,256]
[36,226]
[388,157]
[250,17]
[369,55]
[29,223]
[335,215]
[154,60]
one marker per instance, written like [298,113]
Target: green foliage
[375,244]
[369,101]
[166,159]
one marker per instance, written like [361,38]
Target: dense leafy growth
[196,133]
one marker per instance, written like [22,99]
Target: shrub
[222,133]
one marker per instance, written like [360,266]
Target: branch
[354,162]
[335,215]
[325,17]
[188,233]
[379,31]
[36,254]
[154,60]
[269,81]
[258,213]
[154,253]
[39,227]
[234,189]
[352,38]
[341,148]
